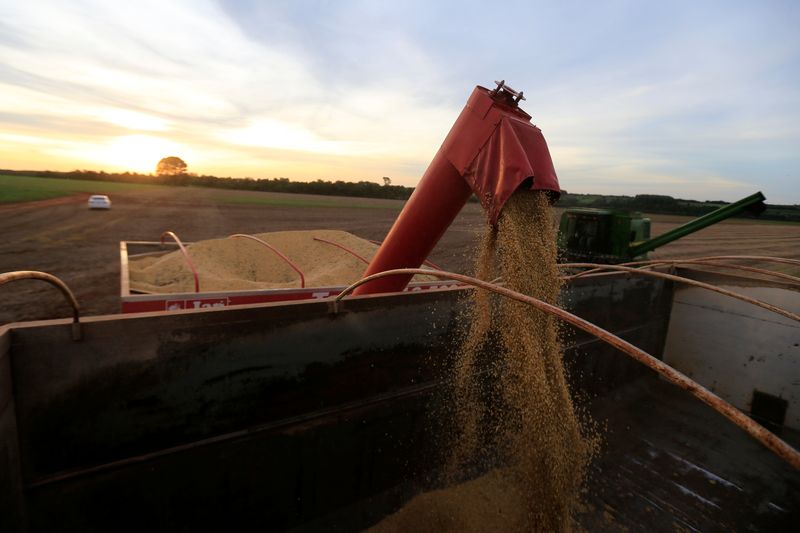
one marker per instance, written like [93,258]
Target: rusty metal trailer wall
[280,416]
[12,505]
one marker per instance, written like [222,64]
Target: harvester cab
[611,236]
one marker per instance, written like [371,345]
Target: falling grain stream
[510,408]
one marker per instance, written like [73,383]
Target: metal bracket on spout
[504,90]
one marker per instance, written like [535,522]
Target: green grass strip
[29,189]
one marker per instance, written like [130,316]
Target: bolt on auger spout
[491,150]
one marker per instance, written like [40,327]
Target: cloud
[632,97]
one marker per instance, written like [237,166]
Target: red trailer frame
[138,302]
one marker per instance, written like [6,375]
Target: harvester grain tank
[613,236]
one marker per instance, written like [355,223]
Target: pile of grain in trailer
[244,264]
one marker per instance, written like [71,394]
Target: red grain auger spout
[491,150]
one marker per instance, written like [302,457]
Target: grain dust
[512,411]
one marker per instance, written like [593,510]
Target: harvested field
[64,238]
[732,237]
[82,247]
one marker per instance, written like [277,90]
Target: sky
[691,99]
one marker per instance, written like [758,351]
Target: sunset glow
[632,98]
[139,153]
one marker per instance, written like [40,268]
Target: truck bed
[670,463]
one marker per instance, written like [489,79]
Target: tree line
[649,203]
[362,189]
[668,205]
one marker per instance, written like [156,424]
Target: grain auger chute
[492,150]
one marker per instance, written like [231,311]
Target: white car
[99,201]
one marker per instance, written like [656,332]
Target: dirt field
[732,237]
[81,247]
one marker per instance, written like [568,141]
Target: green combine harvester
[611,236]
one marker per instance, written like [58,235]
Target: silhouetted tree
[387,181]
[171,166]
